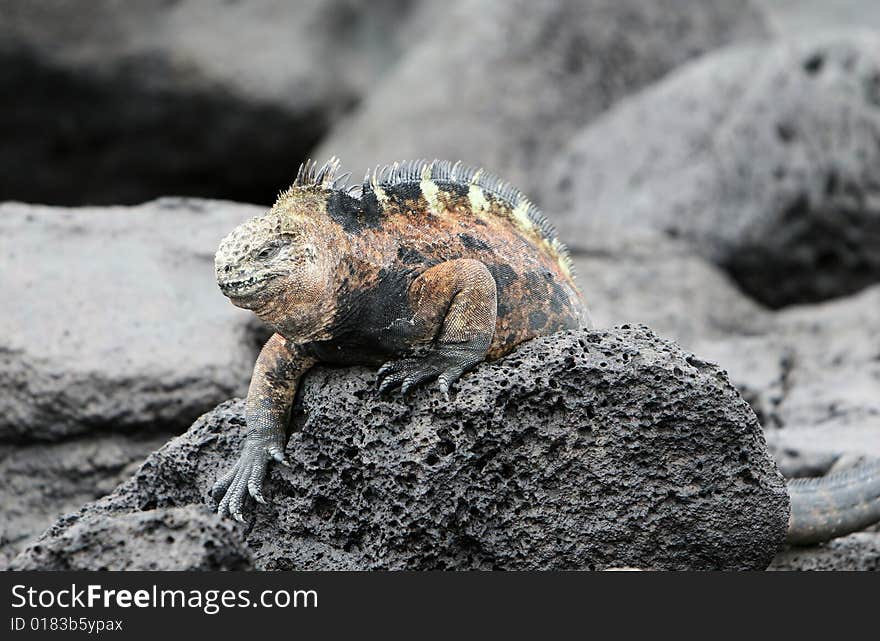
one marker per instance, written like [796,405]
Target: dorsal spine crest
[429,176]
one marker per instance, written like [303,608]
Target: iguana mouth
[245,287]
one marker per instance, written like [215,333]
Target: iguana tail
[830,506]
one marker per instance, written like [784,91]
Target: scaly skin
[429,270]
[831,506]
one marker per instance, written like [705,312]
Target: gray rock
[794,463]
[765,158]
[859,551]
[504,84]
[40,482]
[856,440]
[642,276]
[814,375]
[183,97]
[810,372]
[112,319]
[849,461]
[813,379]
[580,450]
[792,17]
[182,538]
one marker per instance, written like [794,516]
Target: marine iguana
[424,269]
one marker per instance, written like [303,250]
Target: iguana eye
[268,251]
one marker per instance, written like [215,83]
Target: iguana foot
[245,477]
[446,365]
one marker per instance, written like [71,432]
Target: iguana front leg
[270,396]
[456,303]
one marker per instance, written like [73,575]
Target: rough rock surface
[519,77]
[811,372]
[112,319]
[177,538]
[182,97]
[39,482]
[765,157]
[859,551]
[581,450]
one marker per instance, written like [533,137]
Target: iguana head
[282,265]
[260,256]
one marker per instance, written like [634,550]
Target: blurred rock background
[712,163]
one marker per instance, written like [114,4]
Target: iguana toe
[222,484]
[278,456]
[245,478]
[408,373]
[393,373]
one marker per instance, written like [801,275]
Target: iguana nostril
[227,268]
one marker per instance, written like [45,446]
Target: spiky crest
[523,213]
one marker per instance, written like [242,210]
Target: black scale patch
[352,214]
[471,242]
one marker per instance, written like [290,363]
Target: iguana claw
[245,478]
[446,366]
